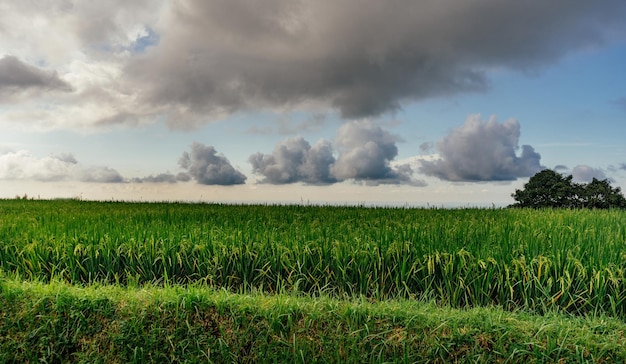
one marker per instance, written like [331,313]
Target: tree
[600,195]
[549,189]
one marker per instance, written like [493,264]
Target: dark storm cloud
[585,173]
[483,151]
[365,155]
[17,77]
[295,160]
[206,167]
[362,57]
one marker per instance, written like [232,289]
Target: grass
[536,260]
[55,321]
[171,282]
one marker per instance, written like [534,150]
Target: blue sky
[332,102]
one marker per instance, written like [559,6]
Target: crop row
[570,259]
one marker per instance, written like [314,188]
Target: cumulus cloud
[18,78]
[365,153]
[22,165]
[483,151]
[202,164]
[585,173]
[205,166]
[295,160]
[361,57]
[99,175]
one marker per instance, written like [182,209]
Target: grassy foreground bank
[58,322]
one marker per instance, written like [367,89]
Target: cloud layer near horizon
[194,61]
[22,165]
[202,164]
[363,152]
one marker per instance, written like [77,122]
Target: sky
[394,103]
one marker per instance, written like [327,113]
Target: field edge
[57,321]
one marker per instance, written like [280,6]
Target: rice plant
[572,260]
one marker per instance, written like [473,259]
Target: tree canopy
[549,189]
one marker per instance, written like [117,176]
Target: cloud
[585,173]
[483,151]
[622,166]
[204,165]
[201,164]
[65,27]
[18,78]
[99,175]
[196,61]
[360,57]
[116,26]
[22,165]
[365,153]
[164,178]
[295,160]
[87,43]
[66,157]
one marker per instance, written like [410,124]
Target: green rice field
[557,262]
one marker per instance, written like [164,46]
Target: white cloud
[365,153]
[22,165]
[295,160]
[207,167]
[483,151]
[585,173]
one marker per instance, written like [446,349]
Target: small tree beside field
[549,189]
